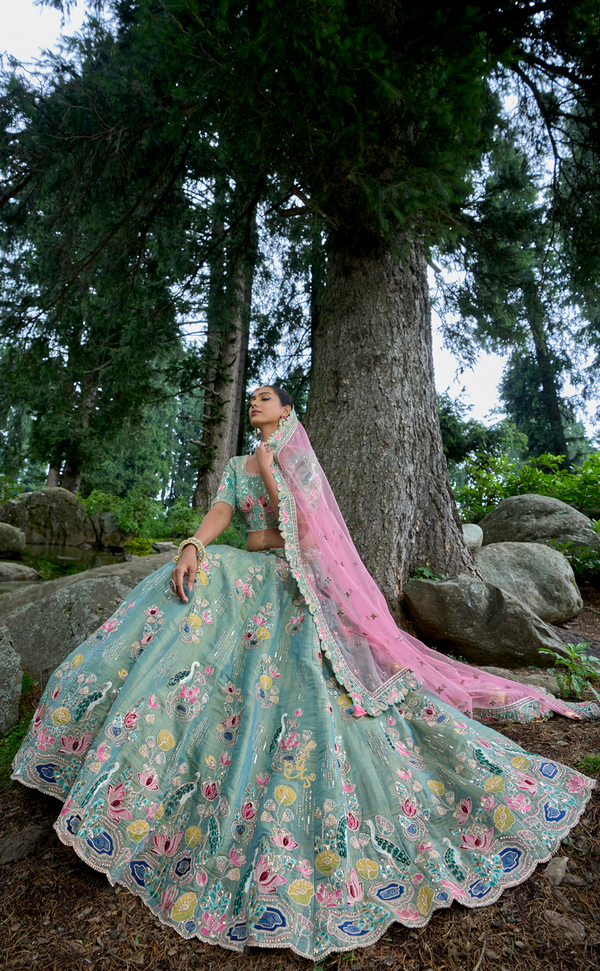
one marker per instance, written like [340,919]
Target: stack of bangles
[192,541]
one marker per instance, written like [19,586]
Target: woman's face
[266,408]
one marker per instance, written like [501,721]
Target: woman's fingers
[178,575]
[191,574]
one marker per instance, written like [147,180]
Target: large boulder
[480,622]
[531,518]
[44,623]
[110,536]
[51,515]
[12,540]
[13,570]
[538,575]
[536,679]
[473,536]
[11,678]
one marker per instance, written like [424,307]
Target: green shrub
[182,521]
[489,479]
[139,546]
[10,740]
[590,763]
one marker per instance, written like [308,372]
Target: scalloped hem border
[378,932]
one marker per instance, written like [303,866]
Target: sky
[26,30]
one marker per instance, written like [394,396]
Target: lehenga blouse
[246,492]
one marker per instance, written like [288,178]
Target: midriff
[264,539]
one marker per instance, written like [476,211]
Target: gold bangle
[192,541]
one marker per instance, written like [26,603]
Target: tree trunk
[223,404]
[372,417]
[547,373]
[53,477]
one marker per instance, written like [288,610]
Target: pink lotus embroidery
[211,924]
[210,790]
[209,670]
[152,701]
[201,878]
[354,888]
[44,739]
[74,745]
[225,758]
[403,773]
[304,868]
[265,503]
[130,719]
[237,858]
[348,787]
[291,742]
[207,616]
[248,503]
[488,802]
[55,693]
[477,841]
[149,779]
[262,778]
[165,844]
[104,752]
[248,810]
[66,806]
[110,625]
[519,802]
[188,694]
[328,898]
[146,638]
[577,783]
[352,821]
[116,802]
[409,808]
[463,810]
[358,711]
[528,784]
[166,901]
[266,881]
[38,718]
[284,839]
[152,611]
[408,914]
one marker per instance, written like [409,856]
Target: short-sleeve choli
[246,492]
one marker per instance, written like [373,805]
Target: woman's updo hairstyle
[285,397]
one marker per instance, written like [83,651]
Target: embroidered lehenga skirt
[208,761]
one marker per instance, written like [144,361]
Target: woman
[257,751]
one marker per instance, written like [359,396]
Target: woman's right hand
[185,569]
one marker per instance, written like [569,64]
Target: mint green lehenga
[209,760]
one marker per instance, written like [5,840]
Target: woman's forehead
[265,388]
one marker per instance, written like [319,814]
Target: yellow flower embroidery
[327,861]
[301,891]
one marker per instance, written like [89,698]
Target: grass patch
[590,763]
[12,738]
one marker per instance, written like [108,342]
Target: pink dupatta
[375,661]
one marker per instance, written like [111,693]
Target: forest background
[196,196]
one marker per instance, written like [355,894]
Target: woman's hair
[285,397]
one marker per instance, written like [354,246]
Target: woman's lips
[252,413]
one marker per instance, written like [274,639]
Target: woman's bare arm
[216,520]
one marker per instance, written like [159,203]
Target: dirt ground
[58,914]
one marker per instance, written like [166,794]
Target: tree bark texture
[372,418]
[228,349]
[547,371]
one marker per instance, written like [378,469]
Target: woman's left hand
[264,458]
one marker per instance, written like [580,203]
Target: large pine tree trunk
[372,417]
[547,372]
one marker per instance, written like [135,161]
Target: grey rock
[537,679]
[13,570]
[47,621]
[532,518]
[554,873]
[11,678]
[12,539]
[164,547]
[29,842]
[51,515]
[473,536]
[109,534]
[572,928]
[536,574]
[480,622]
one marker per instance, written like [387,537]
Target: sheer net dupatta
[375,661]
